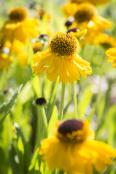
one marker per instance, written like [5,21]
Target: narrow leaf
[6,107]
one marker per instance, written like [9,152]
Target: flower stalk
[62,102]
[44,119]
[75,99]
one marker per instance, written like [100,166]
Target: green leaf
[26,93]
[6,107]
[90,116]
[85,101]
[20,145]
[53,120]
[36,86]
[52,100]
[101,109]
[33,161]
[30,54]
[111,125]
[15,158]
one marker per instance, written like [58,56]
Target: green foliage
[85,101]
[24,124]
[6,107]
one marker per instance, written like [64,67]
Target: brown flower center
[63,44]
[18,14]
[73,131]
[69,126]
[85,13]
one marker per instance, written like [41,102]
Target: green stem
[44,119]
[75,99]
[62,102]
[41,117]
[54,92]
[38,130]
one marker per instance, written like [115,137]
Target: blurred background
[96,95]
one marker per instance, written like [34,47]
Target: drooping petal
[41,62]
[54,69]
[83,66]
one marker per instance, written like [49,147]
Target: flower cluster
[64,55]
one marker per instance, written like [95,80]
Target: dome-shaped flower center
[63,44]
[18,14]
[69,126]
[85,13]
[73,130]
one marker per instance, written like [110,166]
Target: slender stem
[75,99]
[54,92]
[38,129]
[62,102]
[44,119]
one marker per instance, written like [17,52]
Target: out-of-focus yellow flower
[19,26]
[61,59]
[111,53]
[18,14]
[89,37]
[37,46]
[85,13]
[69,9]
[99,24]
[91,1]
[16,46]
[105,41]
[86,18]
[18,49]
[73,149]
[5,61]
[22,58]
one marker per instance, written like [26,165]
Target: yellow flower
[5,61]
[19,26]
[85,13]
[16,46]
[105,41]
[61,59]
[91,1]
[69,9]
[73,149]
[18,14]
[111,53]
[22,58]
[19,49]
[86,18]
